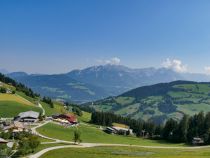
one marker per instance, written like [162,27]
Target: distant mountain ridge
[99,82]
[4,71]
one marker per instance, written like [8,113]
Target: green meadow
[127,152]
[12,108]
[91,134]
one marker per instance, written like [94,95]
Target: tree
[4,151]
[48,101]
[169,130]
[182,129]
[27,143]
[77,111]
[76,137]
[3,90]
[207,128]
[33,142]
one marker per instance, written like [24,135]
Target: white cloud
[112,61]
[207,70]
[175,65]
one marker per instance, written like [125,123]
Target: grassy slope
[11,105]
[188,98]
[86,117]
[14,98]
[92,134]
[32,100]
[58,108]
[126,152]
[11,109]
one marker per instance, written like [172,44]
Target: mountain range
[97,82]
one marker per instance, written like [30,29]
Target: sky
[56,36]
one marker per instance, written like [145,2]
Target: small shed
[197,141]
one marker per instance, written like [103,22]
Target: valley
[169,99]
[104,79]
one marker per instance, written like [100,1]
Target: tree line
[27,143]
[182,131]
[49,101]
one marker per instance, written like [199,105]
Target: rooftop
[3,141]
[32,114]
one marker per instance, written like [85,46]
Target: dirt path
[43,110]
[88,145]
[37,155]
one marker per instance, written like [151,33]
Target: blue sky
[53,36]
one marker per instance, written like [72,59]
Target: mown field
[127,152]
[11,108]
[91,134]
[14,98]
[86,117]
[11,105]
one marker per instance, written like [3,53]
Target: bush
[28,145]
[3,90]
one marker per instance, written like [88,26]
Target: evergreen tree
[182,129]
[76,137]
[169,130]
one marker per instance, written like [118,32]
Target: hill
[60,87]
[98,82]
[16,98]
[13,104]
[160,101]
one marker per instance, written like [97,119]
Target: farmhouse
[120,129]
[29,116]
[123,131]
[65,118]
[15,127]
[110,130]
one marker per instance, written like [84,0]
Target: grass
[14,98]
[124,100]
[44,140]
[127,152]
[92,134]
[12,108]
[44,146]
[32,100]
[191,109]
[128,109]
[86,117]
[50,111]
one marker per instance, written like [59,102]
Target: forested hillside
[159,102]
